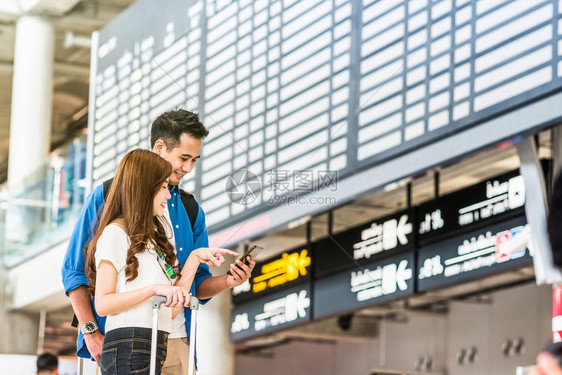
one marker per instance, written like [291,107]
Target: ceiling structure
[72,19]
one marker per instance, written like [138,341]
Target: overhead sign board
[282,271]
[469,256]
[370,284]
[365,243]
[489,201]
[271,313]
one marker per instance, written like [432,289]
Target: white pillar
[32,97]
[215,351]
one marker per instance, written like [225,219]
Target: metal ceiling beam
[20,7]
[61,67]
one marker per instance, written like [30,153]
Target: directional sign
[365,243]
[367,285]
[271,313]
[470,256]
[290,268]
[490,201]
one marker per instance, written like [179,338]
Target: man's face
[182,157]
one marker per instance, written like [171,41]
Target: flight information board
[375,282]
[293,91]
[470,256]
[491,200]
[363,244]
[272,313]
[282,271]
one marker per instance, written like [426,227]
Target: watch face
[89,327]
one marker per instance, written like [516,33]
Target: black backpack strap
[107,187]
[190,205]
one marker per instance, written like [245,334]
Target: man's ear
[159,147]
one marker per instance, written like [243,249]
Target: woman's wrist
[195,258]
[192,263]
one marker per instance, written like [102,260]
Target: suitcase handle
[194,303]
[157,301]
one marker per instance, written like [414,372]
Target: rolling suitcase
[157,302]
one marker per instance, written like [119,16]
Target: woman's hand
[212,256]
[176,296]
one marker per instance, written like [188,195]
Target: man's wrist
[89,327]
[226,282]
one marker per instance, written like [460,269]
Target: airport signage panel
[271,313]
[363,286]
[469,256]
[290,268]
[365,243]
[489,201]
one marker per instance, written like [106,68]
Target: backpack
[188,200]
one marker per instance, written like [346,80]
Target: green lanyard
[168,270]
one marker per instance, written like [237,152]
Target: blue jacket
[73,273]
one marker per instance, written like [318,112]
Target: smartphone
[252,252]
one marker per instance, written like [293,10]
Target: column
[30,124]
[30,133]
[32,96]
[215,351]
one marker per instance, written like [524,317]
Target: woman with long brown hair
[130,259]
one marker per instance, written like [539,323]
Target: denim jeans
[127,351]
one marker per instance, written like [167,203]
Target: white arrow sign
[404,228]
[296,305]
[393,276]
[402,274]
[395,231]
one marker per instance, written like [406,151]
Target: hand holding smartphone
[252,252]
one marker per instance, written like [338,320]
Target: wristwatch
[89,327]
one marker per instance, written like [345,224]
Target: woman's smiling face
[161,199]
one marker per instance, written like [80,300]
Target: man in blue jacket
[176,136]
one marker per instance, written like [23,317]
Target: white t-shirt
[178,323]
[112,246]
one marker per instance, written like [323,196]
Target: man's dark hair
[47,362]
[169,127]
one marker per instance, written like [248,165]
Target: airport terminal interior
[395,159]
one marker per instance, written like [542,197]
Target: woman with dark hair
[130,260]
[47,364]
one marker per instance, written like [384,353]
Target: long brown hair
[139,176]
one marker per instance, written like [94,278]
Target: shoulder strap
[107,187]
[190,205]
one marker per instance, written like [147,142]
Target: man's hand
[82,305]
[240,272]
[94,342]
